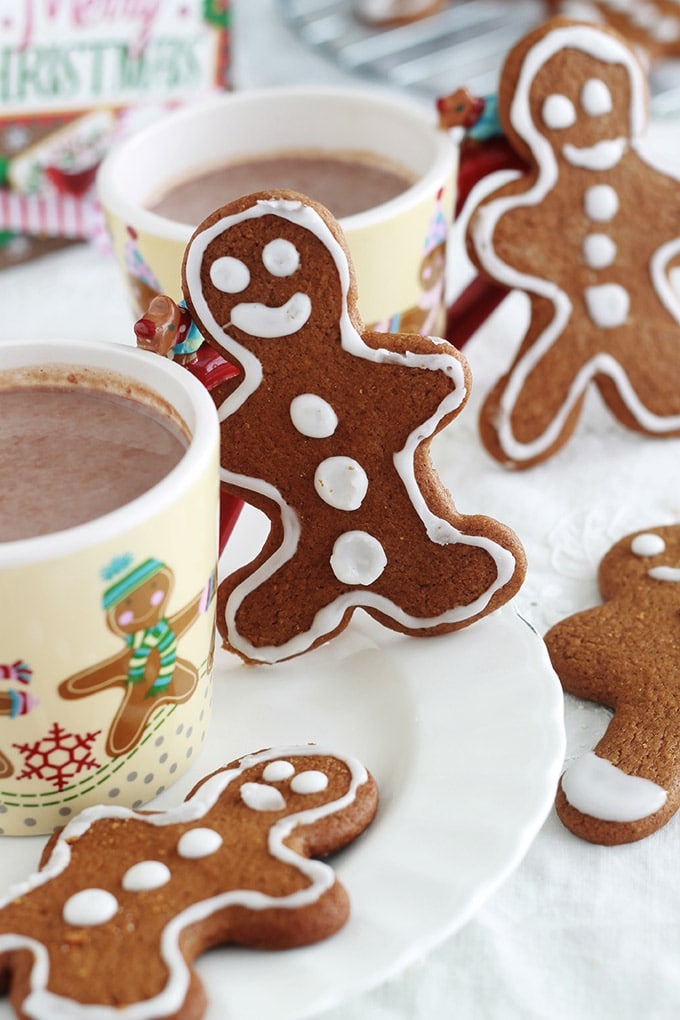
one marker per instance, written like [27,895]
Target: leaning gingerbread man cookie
[327,432]
[625,655]
[591,234]
[125,901]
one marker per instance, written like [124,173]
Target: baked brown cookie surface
[653,28]
[126,900]
[582,235]
[327,432]
[625,655]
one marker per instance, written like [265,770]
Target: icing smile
[602,156]
[662,573]
[261,320]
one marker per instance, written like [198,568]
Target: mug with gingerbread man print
[108,556]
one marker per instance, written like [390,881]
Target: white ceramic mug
[398,248]
[84,717]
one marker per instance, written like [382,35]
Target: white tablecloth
[578,931]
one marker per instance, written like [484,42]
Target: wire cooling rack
[465,43]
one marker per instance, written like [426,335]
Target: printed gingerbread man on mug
[625,655]
[149,669]
[591,233]
[327,432]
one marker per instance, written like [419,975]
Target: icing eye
[229,275]
[596,99]
[648,544]
[276,771]
[558,112]
[311,781]
[281,257]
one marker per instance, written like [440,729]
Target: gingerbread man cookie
[653,26]
[625,655]
[327,432]
[591,233]
[126,900]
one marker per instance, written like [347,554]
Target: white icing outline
[442,532]
[483,225]
[41,1004]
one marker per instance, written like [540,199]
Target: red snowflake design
[58,757]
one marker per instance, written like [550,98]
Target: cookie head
[647,562]
[580,89]
[258,269]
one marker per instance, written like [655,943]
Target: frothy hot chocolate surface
[68,456]
[345,183]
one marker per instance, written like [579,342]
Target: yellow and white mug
[84,717]
[398,247]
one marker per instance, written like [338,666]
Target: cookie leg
[533,409]
[139,704]
[617,794]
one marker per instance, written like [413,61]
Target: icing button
[146,875]
[196,843]
[312,416]
[90,907]
[341,482]
[357,558]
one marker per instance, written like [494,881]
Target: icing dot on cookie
[357,558]
[313,416]
[311,781]
[260,797]
[90,907]
[607,305]
[281,257]
[146,875]
[647,544]
[558,112]
[197,843]
[599,251]
[229,275]
[601,202]
[341,482]
[596,99]
[276,771]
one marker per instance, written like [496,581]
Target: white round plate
[464,735]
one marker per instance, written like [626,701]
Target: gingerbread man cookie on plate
[126,900]
[625,655]
[327,432]
[591,233]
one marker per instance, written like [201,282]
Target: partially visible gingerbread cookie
[126,900]
[625,655]
[591,233]
[652,26]
[328,433]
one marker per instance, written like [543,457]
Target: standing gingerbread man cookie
[625,655]
[327,432]
[590,233]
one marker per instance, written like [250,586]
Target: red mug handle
[480,297]
[211,369]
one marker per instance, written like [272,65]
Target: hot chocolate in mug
[382,154]
[108,555]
